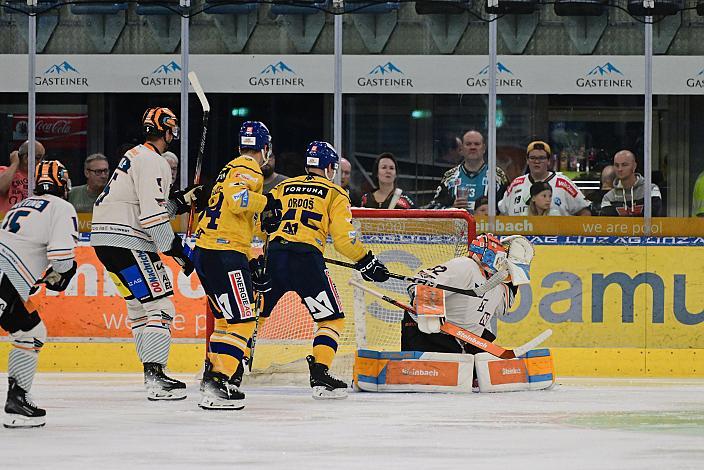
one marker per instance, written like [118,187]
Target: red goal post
[406,241]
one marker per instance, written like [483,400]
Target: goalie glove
[56,281]
[272,213]
[192,195]
[520,255]
[177,253]
[261,281]
[372,269]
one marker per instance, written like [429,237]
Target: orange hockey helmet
[156,121]
[51,177]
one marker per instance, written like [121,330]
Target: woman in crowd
[387,195]
[540,202]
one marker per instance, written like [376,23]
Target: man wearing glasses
[566,197]
[97,172]
[13,178]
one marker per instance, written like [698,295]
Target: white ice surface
[104,422]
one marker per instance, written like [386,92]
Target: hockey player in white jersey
[509,259]
[131,226]
[38,232]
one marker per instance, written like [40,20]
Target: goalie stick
[490,283]
[193,78]
[462,334]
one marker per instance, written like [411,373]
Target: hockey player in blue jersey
[463,185]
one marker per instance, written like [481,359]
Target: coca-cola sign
[66,131]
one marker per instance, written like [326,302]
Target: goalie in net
[494,268]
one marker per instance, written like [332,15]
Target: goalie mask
[51,177]
[156,121]
[488,251]
[321,155]
[254,135]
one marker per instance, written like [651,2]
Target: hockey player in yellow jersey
[222,261]
[315,207]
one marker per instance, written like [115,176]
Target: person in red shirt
[13,178]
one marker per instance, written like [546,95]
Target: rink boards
[617,308]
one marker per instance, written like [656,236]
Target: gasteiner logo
[697,81]
[505,78]
[604,76]
[387,75]
[165,75]
[63,74]
[278,74]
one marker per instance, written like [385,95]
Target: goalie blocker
[415,371]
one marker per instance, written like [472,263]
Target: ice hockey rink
[103,421]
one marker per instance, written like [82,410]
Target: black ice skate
[325,386]
[160,386]
[21,412]
[219,393]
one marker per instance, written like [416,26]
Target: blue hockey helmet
[321,155]
[254,135]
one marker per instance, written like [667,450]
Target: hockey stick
[490,283]
[193,78]
[465,335]
[257,300]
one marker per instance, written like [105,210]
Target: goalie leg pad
[534,371]
[413,371]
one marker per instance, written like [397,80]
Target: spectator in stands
[465,184]
[608,175]
[387,195]
[271,177]
[541,199]
[450,149]
[97,172]
[173,164]
[698,197]
[14,183]
[345,175]
[566,197]
[481,207]
[627,198]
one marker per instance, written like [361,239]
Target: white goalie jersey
[132,210]
[471,313]
[35,232]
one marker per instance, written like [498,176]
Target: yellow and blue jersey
[314,207]
[228,223]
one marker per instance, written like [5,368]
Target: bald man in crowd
[14,184]
[627,198]
[345,174]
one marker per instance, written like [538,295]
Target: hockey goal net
[405,241]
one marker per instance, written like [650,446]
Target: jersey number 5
[307,219]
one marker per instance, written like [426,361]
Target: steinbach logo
[278,74]
[63,74]
[697,81]
[164,75]
[385,75]
[604,76]
[504,78]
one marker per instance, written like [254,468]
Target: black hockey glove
[177,253]
[56,281]
[194,194]
[261,281]
[272,213]
[372,269]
